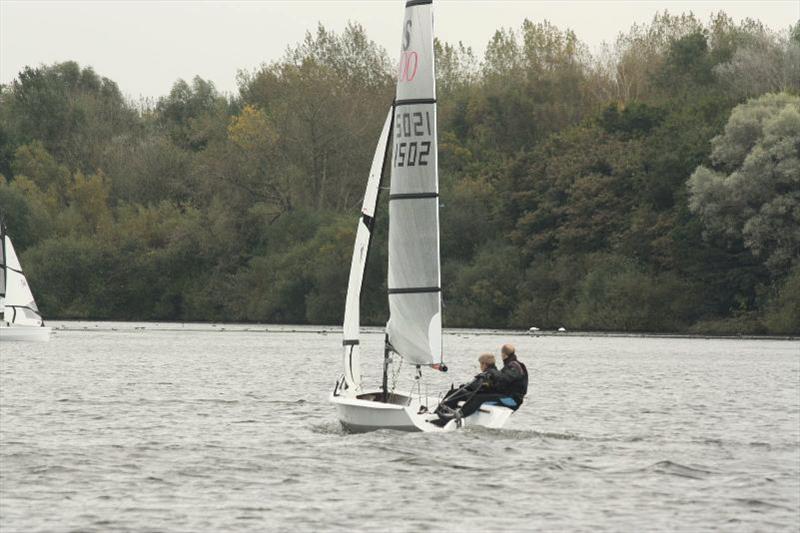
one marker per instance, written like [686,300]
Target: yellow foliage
[47,200]
[251,130]
[89,195]
[35,162]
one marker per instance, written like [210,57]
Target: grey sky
[146,45]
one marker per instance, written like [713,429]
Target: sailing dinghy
[21,320]
[414,329]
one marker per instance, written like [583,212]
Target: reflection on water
[138,427]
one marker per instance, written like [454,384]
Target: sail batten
[414,281]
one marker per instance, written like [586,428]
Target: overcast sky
[146,45]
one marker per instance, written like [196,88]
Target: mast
[387,350]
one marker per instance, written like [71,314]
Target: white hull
[363,413]
[25,333]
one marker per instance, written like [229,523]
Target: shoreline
[234,327]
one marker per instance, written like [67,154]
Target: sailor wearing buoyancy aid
[513,378]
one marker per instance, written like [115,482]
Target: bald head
[507,349]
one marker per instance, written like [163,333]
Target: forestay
[20,308]
[366,224]
[415,324]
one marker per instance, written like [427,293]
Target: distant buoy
[562,328]
[533,328]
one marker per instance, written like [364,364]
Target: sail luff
[352,318]
[2,270]
[415,326]
[19,306]
[2,264]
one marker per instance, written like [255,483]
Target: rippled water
[181,430]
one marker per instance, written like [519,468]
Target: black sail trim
[350,361]
[12,269]
[350,342]
[413,101]
[412,3]
[415,290]
[413,195]
[368,221]
[24,307]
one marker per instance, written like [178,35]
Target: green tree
[189,113]
[753,191]
[617,294]
[70,110]
[783,312]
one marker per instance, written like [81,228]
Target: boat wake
[676,469]
[329,428]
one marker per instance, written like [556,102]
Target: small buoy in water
[562,328]
[533,328]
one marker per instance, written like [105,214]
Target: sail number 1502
[409,150]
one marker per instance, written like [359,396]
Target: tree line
[654,186]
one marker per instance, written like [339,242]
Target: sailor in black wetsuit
[513,379]
[474,393]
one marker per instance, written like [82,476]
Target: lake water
[191,428]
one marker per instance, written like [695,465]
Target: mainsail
[352,321]
[19,306]
[415,322]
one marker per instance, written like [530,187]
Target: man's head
[506,350]
[486,361]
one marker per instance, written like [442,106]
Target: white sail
[19,305]
[415,321]
[2,272]
[352,321]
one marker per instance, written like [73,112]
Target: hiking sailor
[506,387]
[513,378]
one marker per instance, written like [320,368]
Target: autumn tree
[326,100]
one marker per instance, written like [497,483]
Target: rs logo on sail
[407,35]
[409,61]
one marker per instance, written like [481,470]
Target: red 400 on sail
[407,69]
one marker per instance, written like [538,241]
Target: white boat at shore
[21,320]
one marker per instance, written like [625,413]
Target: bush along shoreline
[653,188]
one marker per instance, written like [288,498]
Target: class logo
[407,35]
[409,60]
